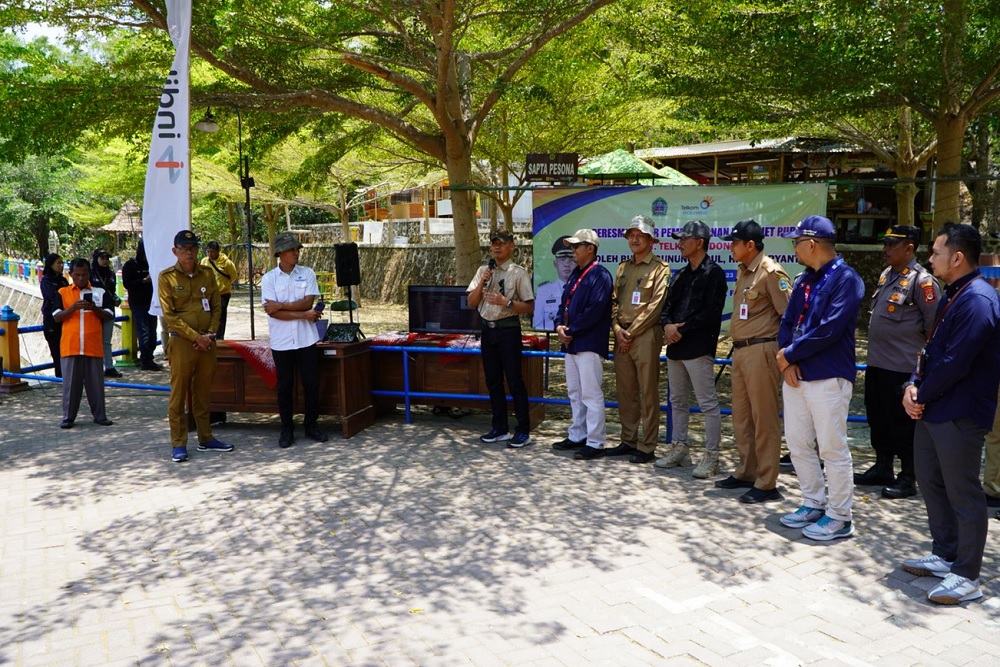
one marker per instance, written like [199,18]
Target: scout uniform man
[640,290]
[902,314]
[189,297]
[762,291]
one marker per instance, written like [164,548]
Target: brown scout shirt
[651,277]
[180,299]
[764,287]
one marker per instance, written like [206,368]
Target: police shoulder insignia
[905,271]
[881,279]
[928,289]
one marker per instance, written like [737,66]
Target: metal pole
[246,183]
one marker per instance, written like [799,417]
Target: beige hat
[643,224]
[285,241]
[584,236]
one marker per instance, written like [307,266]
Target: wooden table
[460,374]
[344,386]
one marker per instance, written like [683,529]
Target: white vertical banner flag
[166,206]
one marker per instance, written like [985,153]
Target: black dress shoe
[286,439]
[66,423]
[992,501]
[733,483]
[755,495]
[112,373]
[316,434]
[641,457]
[566,443]
[874,476]
[104,422]
[903,488]
[589,453]
[151,366]
[621,450]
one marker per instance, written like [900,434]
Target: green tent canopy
[622,165]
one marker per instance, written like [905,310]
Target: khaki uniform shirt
[181,300]
[639,293]
[510,280]
[902,314]
[762,291]
[224,271]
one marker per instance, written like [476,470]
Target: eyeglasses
[799,240]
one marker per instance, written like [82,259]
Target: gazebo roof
[127,220]
[621,164]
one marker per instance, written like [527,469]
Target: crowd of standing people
[931,387]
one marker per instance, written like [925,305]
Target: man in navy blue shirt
[816,359]
[583,324]
[953,396]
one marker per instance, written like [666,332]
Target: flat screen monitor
[441,309]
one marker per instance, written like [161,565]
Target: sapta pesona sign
[551,166]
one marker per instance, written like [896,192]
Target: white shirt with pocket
[276,285]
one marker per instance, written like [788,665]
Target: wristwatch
[510,303]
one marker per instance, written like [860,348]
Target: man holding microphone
[501,291]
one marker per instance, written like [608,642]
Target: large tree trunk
[40,230]
[979,188]
[468,252]
[950,132]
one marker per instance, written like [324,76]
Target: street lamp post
[208,124]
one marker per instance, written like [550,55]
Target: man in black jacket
[691,322]
[135,277]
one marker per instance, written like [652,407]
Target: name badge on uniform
[205,305]
[636,298]
[744,311]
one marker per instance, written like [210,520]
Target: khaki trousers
[756,426]
[191,374]
[637,383]
[991,475]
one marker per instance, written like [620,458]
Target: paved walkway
[417,545]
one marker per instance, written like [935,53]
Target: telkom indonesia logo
[166,161]
[707,202]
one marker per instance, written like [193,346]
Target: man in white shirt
[288,292]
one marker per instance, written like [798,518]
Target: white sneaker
[707,467]
[678,456]
[928,566]
[802,517]
[955,589]
[828,528]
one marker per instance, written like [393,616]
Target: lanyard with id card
[205,305]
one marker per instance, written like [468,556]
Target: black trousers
[306,360]
[891,428]
[145,330]
[52,337]
[948,457]
[221,333]
[501,352]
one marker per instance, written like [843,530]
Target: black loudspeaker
[347,264]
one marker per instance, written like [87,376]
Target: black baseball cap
[745,230]
[502,235]
[695,228]
[186,237]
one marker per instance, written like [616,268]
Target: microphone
[491,266]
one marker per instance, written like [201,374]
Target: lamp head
[207,123]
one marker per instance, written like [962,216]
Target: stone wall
[386,271]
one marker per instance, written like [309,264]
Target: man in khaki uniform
[636,302]
[189,297]
[762,291]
